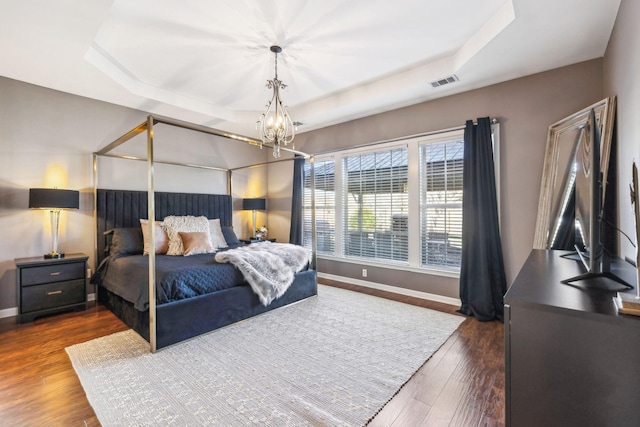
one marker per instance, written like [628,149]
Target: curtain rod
[401,138]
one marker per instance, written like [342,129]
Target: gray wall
[525,107]
[47,138]
[621,71]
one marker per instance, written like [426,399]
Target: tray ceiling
[207,62]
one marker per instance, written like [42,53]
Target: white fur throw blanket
[268,267]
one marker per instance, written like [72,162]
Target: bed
[166,317]
[181,317]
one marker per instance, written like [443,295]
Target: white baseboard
[9,312]
[13,311]
[393,289]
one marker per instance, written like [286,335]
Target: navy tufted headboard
[123,208]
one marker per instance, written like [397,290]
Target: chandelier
[275,124]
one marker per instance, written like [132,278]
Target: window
[325,206]
[395,205]
[375,206]
[441,165]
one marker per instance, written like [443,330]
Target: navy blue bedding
[177,277]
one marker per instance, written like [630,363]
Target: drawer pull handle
[54,292]
[55,273]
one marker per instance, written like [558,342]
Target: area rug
[331,360]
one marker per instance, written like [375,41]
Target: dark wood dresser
[47,286]
[570,358]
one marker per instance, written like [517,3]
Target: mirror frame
[605,115]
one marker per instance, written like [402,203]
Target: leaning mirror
[556,188]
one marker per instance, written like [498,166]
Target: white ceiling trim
[100,59]
[494,26]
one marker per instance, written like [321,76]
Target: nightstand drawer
[52,295]
[52,273]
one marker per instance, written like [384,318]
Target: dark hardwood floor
[461,385]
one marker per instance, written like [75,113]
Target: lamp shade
[254,204]
[53,198]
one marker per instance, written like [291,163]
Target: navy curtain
[482,277]
[295,233]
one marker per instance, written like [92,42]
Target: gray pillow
[230,235]
[126,241]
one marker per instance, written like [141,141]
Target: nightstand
[47,286]
[252,240]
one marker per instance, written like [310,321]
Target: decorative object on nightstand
[254,205]
[54,200]
[50,285]
[262,232]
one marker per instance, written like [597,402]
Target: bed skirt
[180,320]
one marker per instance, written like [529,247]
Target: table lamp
[254,205]
[54,200]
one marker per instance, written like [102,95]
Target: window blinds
[375,205]
[441,166]
[325,205]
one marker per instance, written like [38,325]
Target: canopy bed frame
[169,323]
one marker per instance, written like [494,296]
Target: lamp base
[53,255]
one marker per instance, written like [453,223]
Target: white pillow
[173,225]
[162,240]
[217,237]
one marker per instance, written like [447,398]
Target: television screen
[588,207]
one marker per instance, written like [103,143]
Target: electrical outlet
[364,272]
[89,272]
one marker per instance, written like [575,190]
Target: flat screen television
[589,210]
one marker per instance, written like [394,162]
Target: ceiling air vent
[444,81]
